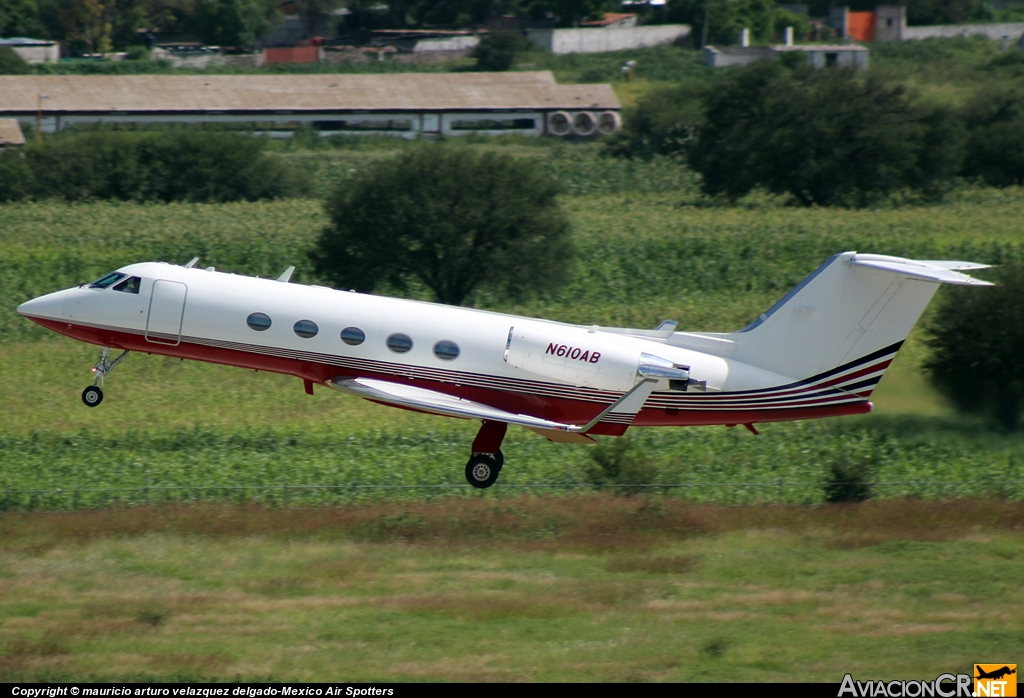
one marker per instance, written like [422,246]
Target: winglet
[190,263]
[286,275]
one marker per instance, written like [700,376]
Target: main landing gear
[485,463]
[483,468]
[93,395]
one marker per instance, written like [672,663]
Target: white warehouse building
[408,105]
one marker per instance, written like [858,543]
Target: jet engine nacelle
[590,359]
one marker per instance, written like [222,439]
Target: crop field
[649,248]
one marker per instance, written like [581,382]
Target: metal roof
[25,41]
[10,132]
[315,93]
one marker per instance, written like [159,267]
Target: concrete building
[405,105]
[33,50]
[818,55]
[607,38]
[889,23]
[10,133]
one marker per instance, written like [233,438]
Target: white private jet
[818,352]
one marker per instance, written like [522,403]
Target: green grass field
[529,589]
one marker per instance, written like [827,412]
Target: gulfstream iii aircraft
[818,352]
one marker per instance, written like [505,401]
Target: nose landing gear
[93,395]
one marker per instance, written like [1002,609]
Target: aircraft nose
[48,306]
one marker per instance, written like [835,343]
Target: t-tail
[844,323]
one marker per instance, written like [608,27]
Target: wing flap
[436,402]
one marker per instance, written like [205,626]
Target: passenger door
[166,310]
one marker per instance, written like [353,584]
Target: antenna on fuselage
[190,262]
[286,275]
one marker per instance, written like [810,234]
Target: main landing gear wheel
[483,468]
[92,396]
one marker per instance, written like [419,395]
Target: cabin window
[399,343]
[446,350]
[108,280]
[306,328]
[258,322]
[129,285]
[353,336]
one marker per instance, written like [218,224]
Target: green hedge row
[154,166]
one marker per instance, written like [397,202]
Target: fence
[71,499]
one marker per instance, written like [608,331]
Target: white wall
[453,43]
[48,53]
[601,40]
[992,31]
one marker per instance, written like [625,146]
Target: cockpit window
[107,280]
[129,285]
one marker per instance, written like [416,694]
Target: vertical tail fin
[853,308]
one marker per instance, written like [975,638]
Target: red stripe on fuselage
[564,410]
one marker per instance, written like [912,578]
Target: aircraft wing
[440,403]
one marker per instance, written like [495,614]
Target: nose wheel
[93,395]
[483,468]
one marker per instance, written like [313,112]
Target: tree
[664,122]
[19,18]
[498,50]
[316,15]
[976,341]
[995,141]
[823,136]
[230,22]
[455,220]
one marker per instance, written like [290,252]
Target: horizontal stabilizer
[939,272]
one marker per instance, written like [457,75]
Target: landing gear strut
[93,395]
[485,463]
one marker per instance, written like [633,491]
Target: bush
[621,465]
[163,166]
[11,63]
[976,340]
[995,141]
[137,53]
[499,50]
[848,480]
[823,136]
[452,219]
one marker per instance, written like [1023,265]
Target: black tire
[499,458]
[92,396]
[482,470]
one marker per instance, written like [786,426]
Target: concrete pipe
[559,123]
[584,123]
[608,123]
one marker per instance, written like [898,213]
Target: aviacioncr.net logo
[942,686]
